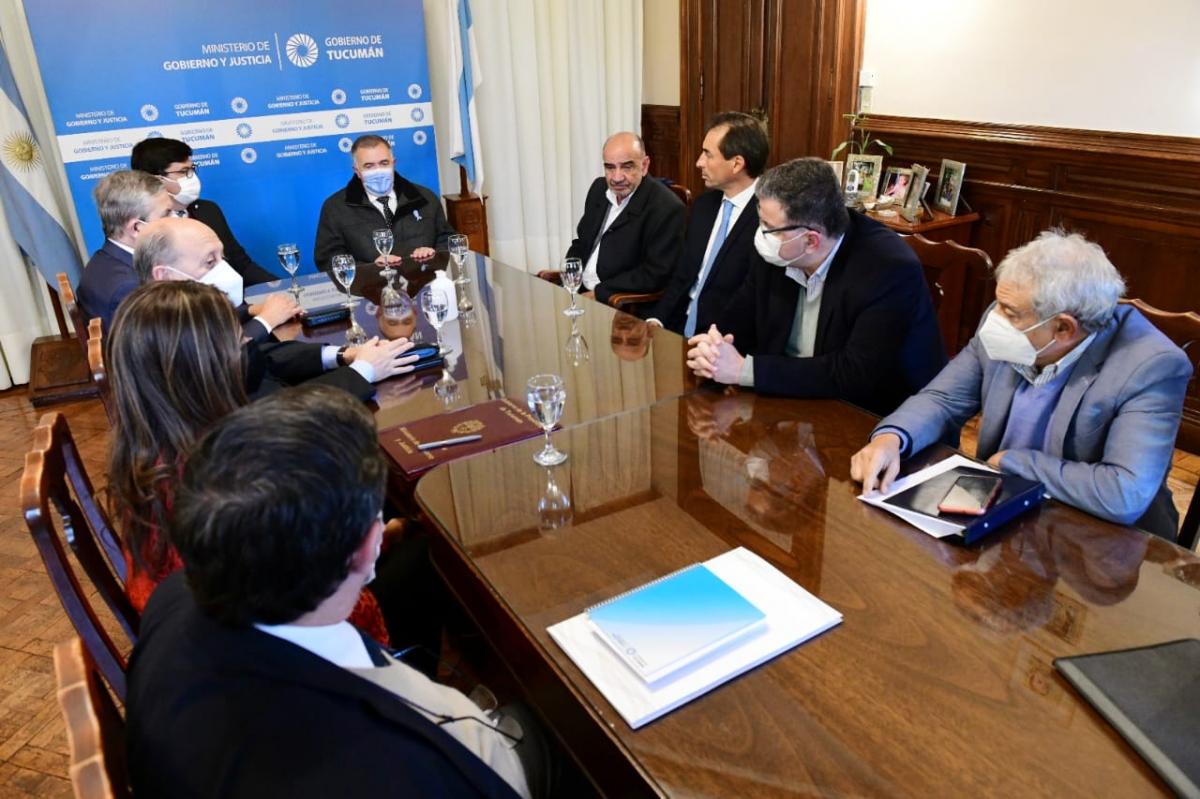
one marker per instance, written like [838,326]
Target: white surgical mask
[768,247]
[189,190]
[221,276]
[1003,342]
[378,181]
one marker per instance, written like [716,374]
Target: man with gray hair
[837,307]
[1077,392]
[127,202]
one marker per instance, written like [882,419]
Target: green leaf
[884,146]
[838,149]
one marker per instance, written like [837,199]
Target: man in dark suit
[247,679]
[378,197]
[127,201]
[185,249]
[838,307]
[718,248]
[171,160]
[631,229]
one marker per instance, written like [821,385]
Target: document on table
[938,528]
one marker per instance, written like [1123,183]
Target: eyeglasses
[176,174]
[785,229]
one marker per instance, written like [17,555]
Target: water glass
[289,259]
[546,396]
[436,308]
[344,267]
[460,246]
[572,280]
[385,240]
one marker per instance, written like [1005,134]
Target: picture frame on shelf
[916,190]
[869,169]
[950,181]
[836,166]
[896,183]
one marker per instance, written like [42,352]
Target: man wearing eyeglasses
[170,160]
[837,308]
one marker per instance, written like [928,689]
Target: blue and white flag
[29,204]
[464,65]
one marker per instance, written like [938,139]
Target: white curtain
[25,309]
[558,79]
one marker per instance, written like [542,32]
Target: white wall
[660,52]
[1095,64]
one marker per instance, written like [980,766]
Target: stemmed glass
[436,308]
[289,259]
[446,388]
[545,396]
[554,506]
[572,280]
[384,241]
[459,247]
[344,267]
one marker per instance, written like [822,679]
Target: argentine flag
[464,66]
[29,203]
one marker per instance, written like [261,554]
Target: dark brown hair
[746,136]
[175,364]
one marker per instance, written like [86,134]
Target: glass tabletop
[939,680]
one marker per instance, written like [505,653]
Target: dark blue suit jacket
[107,279]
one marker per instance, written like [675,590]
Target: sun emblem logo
[20,151]
[467,427]
[419,138]
[302,50]
[342,121]
[149,112]
[239,105]
[244,130]
[338,96]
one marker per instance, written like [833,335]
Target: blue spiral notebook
[668,624]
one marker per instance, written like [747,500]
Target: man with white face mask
[378,197]
[127,201]
[1076,391]
[170,160]
[184,249]
[837,307]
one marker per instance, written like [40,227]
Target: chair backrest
[54,486]
[1182,327]
[946,264]
[95,728]
[682,192]
[95,353]
[67,295]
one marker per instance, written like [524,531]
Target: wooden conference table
[939,680]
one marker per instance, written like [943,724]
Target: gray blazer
[1111,436]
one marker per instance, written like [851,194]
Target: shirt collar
[340,644]
[124,247]
[817,278]
[742,198]
[1052,371]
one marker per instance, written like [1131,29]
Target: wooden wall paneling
[660,131]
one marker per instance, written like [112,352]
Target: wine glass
[577,346]
[384,241]
[446,388]
[545,395]
[459,247]
[344,267]
[572,280]
[289,259]
[436,308]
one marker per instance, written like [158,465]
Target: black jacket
[728,271]
[271,365]
[877,337]
[642,244]
[234,712]
[210,213]
[348,218]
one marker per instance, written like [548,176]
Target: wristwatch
[341,355]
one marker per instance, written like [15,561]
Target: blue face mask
[378,181]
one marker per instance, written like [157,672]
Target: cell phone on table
[971,495]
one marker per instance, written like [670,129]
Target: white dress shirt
[590,278]
[391,195]
[739,201]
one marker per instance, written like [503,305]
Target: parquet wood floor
[33,746]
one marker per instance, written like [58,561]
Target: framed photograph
[916,190]
[836,166]
[896,183]
[865,171]
[950,182]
